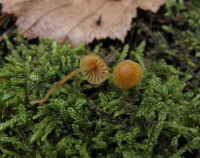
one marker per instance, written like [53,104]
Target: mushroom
[92,66]
[127,74]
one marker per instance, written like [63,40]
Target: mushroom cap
[95,69]
[127,74]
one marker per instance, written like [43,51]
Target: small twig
[169,20]
[3,19]
[7,32]
[7,21]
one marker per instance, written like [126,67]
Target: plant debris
[79,20]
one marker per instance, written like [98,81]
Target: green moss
[160,117]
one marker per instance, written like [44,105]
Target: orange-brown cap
[96,70]
[127,74]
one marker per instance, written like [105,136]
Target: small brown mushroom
[92,66]
[127,74]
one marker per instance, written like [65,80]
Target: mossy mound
[159,118]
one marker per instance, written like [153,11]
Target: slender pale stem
[56,86]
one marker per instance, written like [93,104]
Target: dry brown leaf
[76,20]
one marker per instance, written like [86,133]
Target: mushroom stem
[57,85]
[92,66]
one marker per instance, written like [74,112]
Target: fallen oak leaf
[76,20]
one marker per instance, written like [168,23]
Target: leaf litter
[76,20]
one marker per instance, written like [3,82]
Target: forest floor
[160,117]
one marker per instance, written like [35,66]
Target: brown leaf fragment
[76,20]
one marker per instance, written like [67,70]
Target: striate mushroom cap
[96,70]
[127,74]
